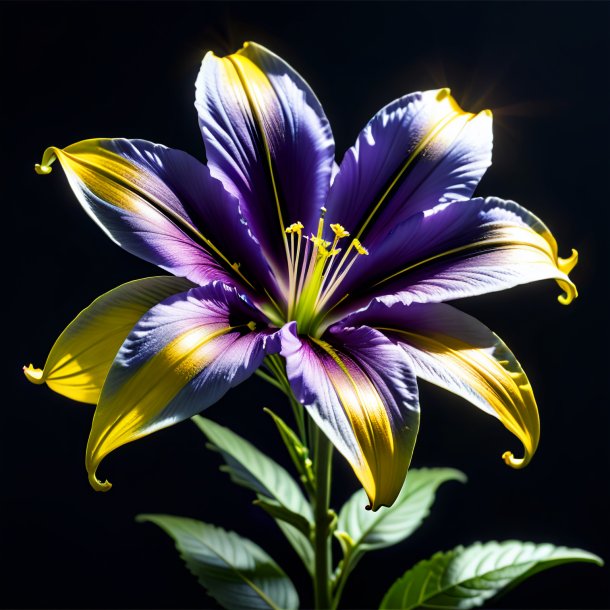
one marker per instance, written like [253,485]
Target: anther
[339,231]
[295,227]
[360,248]
[251,325]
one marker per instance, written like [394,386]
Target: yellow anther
[251,325]
[236,266]
[334,252]
[339,231]
[360,248]
[295,227]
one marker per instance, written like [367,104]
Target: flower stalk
[323,520]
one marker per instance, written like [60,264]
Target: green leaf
[235,571]
[252,469]
[298,452]
[279,513]
[375,530]
[467,577]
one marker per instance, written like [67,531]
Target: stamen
[360,248]
[295,227]
[311,281]
[330,288]
[251,325]
[339,231]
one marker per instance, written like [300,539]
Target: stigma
[314,273]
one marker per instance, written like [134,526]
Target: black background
[75,71]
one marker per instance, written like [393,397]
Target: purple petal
[418,151]
[455,351]
[458,250]
[268,141]
[163,206]
[180,358]
[360,390]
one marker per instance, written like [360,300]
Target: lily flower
[339,273]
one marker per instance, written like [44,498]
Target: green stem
[270,380]
[346,570]
[322,540]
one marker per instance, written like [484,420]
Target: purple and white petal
[180,358]
[458,250]
[415,153]
[163,206]
[267,139]
[457,352]
[360,389]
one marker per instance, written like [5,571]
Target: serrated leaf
[234,570]
[467,577]
[375,530]
[250,468]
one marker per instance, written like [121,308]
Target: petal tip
[513,462]
[42,170]
[33,374]
[97,484]
[48,157]
[567,264]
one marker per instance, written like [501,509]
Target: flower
[343,271]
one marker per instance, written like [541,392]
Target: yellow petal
[81,357]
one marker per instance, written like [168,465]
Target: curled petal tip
[41,170]
[570,292]
[512,461]
[487,112]
[97,484]
[44,167]
[567,264]
[33,374]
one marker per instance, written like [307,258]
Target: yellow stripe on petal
[530,246]
[380,456]
[129,409]
[495,379]
[93,165]
[446,121]
[81,357]
[252,85]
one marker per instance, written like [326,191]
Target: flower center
[312,273]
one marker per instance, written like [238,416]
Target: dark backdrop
[75,71]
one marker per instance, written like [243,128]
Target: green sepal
[467,577]
[280,513]
[235,571]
